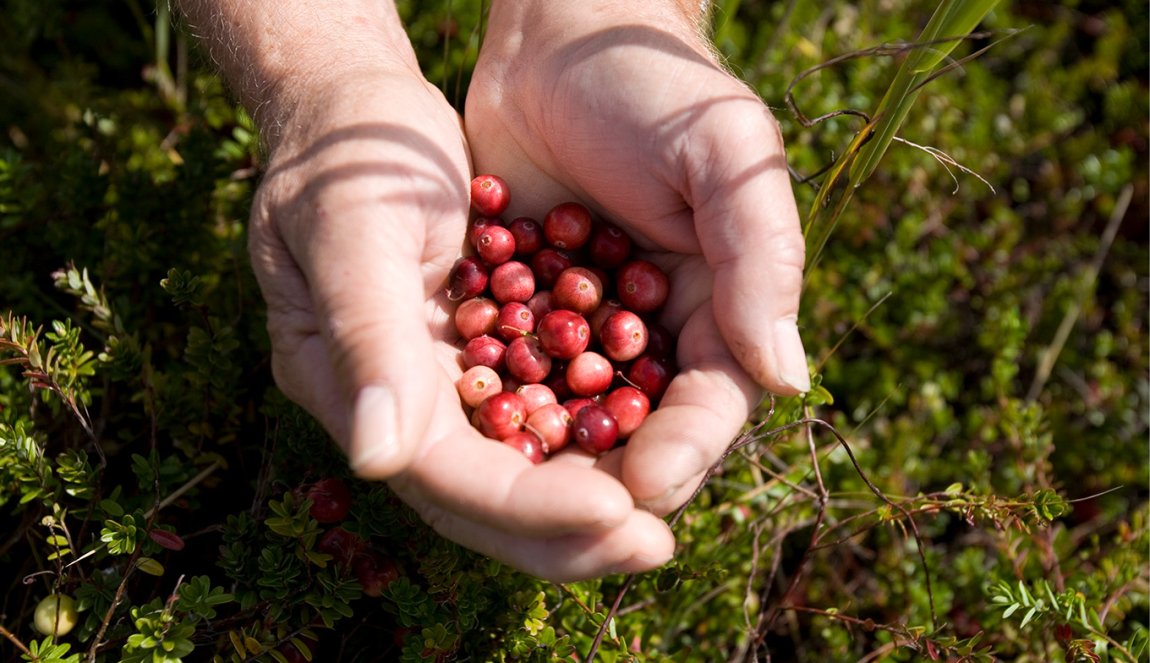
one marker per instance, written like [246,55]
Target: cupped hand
[353,232]
[625,108]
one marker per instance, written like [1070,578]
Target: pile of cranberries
[558,324]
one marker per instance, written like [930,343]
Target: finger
[640,543]
[703,410]
[749,231]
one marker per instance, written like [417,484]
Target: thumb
[749,231]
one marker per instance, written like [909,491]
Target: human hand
[353,232]
[623,107]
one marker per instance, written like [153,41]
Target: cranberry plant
[966,481]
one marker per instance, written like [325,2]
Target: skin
[363,210]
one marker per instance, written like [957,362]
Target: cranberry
[642,286]
[375,572]
[490,195]
[170,540]
[501,415]
[578,289]
[512,281]
[541,303]
[528,444]
[330,500]
[476,317]
[557,381]
[484,351]
[564,334]
[573,405]
[528,235]
[477,384]
[535,395]
[468,278]
[589,374]
[341,544]
[526,359]
[594,429]
[600,315]
[651,375]
[514,320]
[567,226]
[660,341]
[478,225]
[548,264]
[552,423]
[609,246]
[623,336]
[495,245]
[629,407]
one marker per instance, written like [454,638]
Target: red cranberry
[495,245]
[600,315]
[660,341]
[512,281]
[526,359]
[609,246]
[578,289]
[589,373]
[477,384]
[375,572]
[548,264]
[490,195]
[476,317]
[501,415]
[552,423]
[651,375]
[535,395]
[514,320]
[478,225]
[541,304]
[468,278]
[484,351]
[567,226]
[573,405]
[330,500]
[629,407]
[528,235]
[623,336]
[528,444]
[594,429]
[642,286]
[564,334]
[557,381]
[341,544]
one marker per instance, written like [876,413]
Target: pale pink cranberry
[490,195]
[567,226]
[594,429]
[609,246]
[469,277]
[476,317]
[642,286]
[501,415]
[564,334]
[495,245]
[535,395]
[512,281]
[514,320]
[548,264]
[528,235]
[477,384]
[528,444]
[484,351]
[578,289]
[629,407]
[526,360]
[552,423]
[589,373]
[623,336]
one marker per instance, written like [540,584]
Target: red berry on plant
[594,429]
[375,572]
[468,278]
[490,195]
[567,226]
[512,281]
[341,544]
[564,334]
[330,500]
[642,286]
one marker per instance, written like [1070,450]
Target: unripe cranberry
[476,317]
[514,320]
[567,226]
[478,225]
[535,395]
[642,286]
[548,264]
[468,278]
[589,374]
[564,334]
[484,351]
[512,281]
[528,235]
[623,336]
[629,407]
[594,429]
[477,384]
[528,444]
[490,195]
[651,375]
[609,246]
[495,245]
[578,289]
[526,360]
[501,415]
[552,423]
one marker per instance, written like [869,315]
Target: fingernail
[640,563]
[790,356]
[374,436]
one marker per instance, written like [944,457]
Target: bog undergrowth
[967,480]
